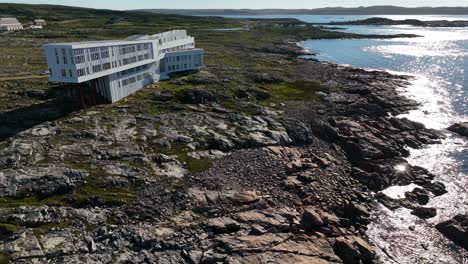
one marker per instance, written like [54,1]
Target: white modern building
[117,68]
[10,24]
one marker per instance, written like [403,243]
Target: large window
[94,56]
[81,72]
[106,66]
[105,53]
[127,49]
[129,81]
[97,68]
[64,54]
[129,60]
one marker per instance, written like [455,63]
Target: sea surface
[439,62]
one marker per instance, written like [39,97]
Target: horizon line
[149,8]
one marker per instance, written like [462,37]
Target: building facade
[10,24]
[119,68]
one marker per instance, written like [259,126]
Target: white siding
[119,68]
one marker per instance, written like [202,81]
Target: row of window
[64,73]
[132,70]
[83,72]
[93,54]
[129,60]
[177,48]
[178,58]
[134,79]
[163,40]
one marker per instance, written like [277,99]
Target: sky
[236,4]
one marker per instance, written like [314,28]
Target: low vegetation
[294,91]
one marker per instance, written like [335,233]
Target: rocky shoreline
[202,183]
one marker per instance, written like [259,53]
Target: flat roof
[98,43]
[184,50]
[9,21]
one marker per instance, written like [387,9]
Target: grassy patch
[240,107]
[195,165]
[177,89]
[44,229]
[293,91]
[4,259]
[8,228]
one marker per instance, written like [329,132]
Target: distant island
[371,10]
[379,21]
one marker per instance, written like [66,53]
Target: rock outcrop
[456,230]
[461,129]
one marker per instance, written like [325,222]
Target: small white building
[10,24]
[40,22]
[35,27]
[117,68]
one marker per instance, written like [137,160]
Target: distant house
[40,22]
[35,27]
[10,24]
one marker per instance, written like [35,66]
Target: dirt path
[24,77]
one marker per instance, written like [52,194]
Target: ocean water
[439,62]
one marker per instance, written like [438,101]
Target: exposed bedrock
[456,230]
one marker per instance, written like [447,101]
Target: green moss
[240,107]
[12,202]
[8,228]
[195,165]
[3,145]
[292,91]
[177,89]
[4,259]
[44,229]
[90,228]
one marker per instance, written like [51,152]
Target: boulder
[26,245]
[198,96]
[267,78]
[164,96]
[222,225]
[298,131]
[262,218]
[40,181]
[456,230]
[387,201]
[424,212]
[247,197]
[311,219]
[353,250]
[419,195]
[260,94]
[437,188]
[460,128]
[356,212]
